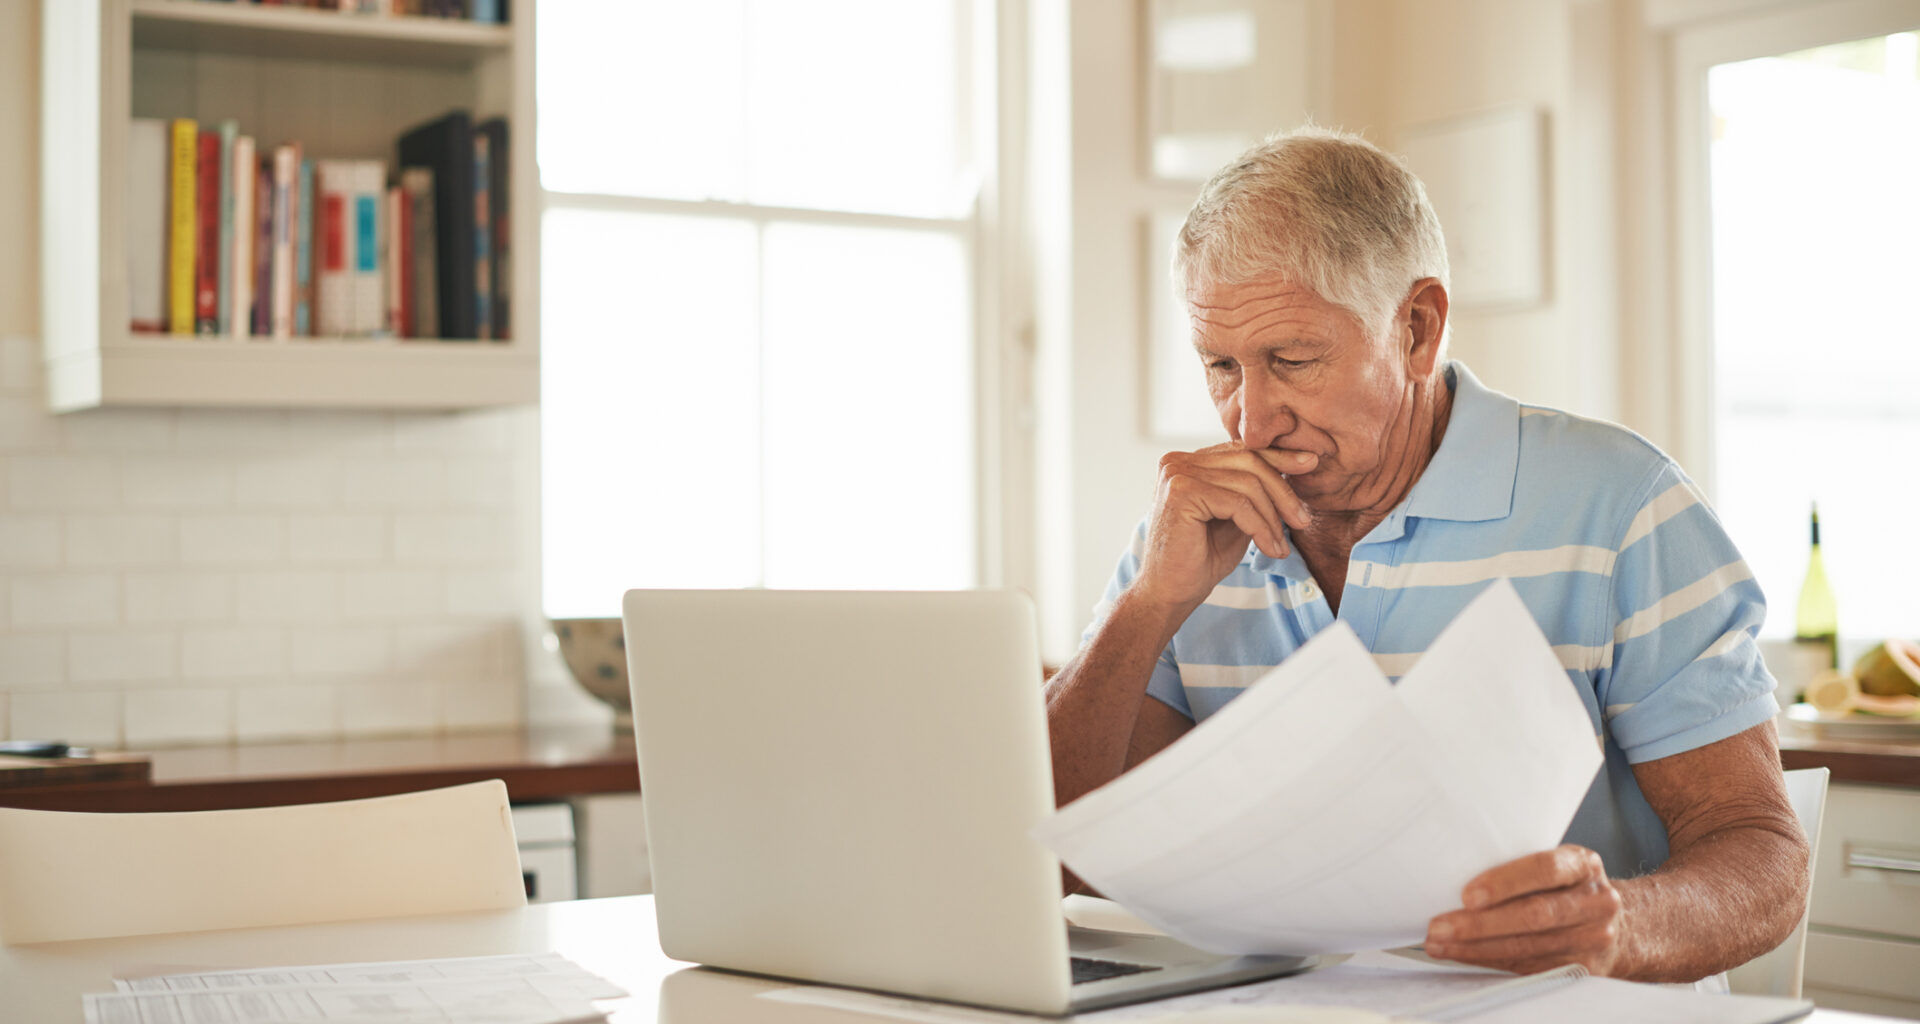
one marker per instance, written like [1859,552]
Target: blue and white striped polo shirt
[1615,552]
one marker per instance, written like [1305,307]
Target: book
[240,295]
[182,226]
[286,165]
[500,270]
[229,133]
[397,270]
[333,307]
[303,252]
[445,146]
[263,250]
[206,251]
[369,290]
[482,236]
[148,168]
[425,304]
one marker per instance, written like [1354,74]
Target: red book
[403,233]
[206,262]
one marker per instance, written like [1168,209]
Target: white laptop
[839,789]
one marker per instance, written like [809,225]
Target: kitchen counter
[538,764]
[1874,762]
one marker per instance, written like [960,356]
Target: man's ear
[1426,325]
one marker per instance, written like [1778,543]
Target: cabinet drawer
[1867,873]
[1886,968]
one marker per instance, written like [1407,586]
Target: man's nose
[1265,415]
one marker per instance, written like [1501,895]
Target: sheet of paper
[488,1002]
[1326,810]
[550,971]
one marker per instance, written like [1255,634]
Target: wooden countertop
[540,764]
[1876,762]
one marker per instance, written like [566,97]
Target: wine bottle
[1816,621]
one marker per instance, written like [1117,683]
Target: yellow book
[182,226]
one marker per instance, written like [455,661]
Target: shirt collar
[1469,479]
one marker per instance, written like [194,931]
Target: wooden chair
[1779,971]
[67,875]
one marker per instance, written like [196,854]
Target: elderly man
[1371,480]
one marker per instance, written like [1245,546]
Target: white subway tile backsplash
[418,482]
[286,596]
[25,424]
[479,482]
[389,706]
[471,704]
[29,540]
[123,540]
[499,593]
[442,651]
[119,430]
[337,538]
[177,482]
[233,539]
[387,594]
[451,538]
[179,597]
[20,364]
[32,661]
[286,712]
[179,716]
[304,483]
[339,650]
[62,482]
[89,717]
[339,432]
[227,653]
[480,431]
[64,599]
[231,430]
[123,656]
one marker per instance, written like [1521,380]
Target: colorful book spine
[418,183]
[499,214]
[149,171]
[183,227]
[482,236]
[229,133]
[286,166]
[333,305]
[263,250]
[206,251]
[240,306]
[370,294]
[303,253]
[398,274]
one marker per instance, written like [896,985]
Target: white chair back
[1778,972]
[67,875]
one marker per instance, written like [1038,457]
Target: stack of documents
[543,989]
[1326,810]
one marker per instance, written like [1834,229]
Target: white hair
[1324,209]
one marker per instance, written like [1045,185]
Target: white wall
[172,576]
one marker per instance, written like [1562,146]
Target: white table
[614,938]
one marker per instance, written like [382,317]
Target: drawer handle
[1882,861]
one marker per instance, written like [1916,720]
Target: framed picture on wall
[1220,75]
[1486,176]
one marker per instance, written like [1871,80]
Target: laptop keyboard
[1086,968]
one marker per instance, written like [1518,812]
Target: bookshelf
[343,85]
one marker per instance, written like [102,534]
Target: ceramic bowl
[596,653]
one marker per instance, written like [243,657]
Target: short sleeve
[1165,685]
[1686,670]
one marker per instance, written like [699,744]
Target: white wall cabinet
[344,86]
[1863,931]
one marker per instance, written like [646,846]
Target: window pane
[869,397]
[649,407]
[1815,350]
[643,97]
[854,106]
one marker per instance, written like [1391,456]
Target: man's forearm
[1727,898]
[1094,702]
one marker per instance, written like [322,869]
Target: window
[757,299]
[1816,358]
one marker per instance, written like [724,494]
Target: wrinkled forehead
[1224,311]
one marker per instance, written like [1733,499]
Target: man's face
[1289,370]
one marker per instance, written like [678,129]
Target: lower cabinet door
[1863,974]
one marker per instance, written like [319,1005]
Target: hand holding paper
[1326,810]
